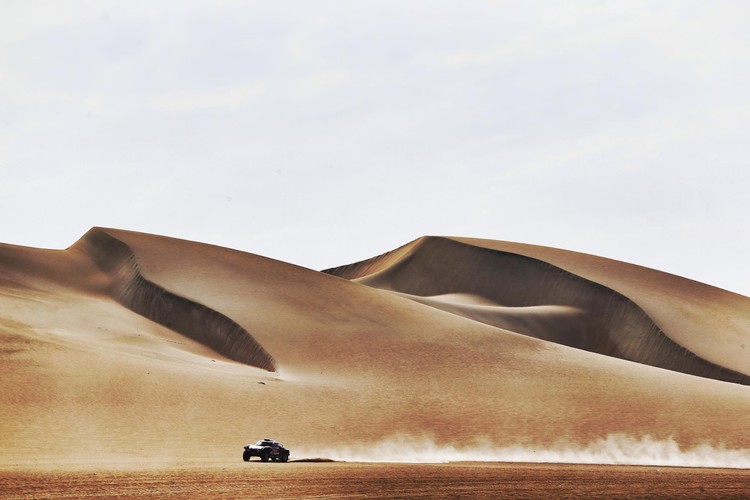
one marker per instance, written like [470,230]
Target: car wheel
[284,457]
[264,456]
[246,456]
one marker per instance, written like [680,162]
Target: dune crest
[192,319]
[532,297]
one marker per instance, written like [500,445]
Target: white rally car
[267,449]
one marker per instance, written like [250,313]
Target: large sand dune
[138,348]
[520,292]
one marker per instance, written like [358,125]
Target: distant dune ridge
[527,295]
[142,349]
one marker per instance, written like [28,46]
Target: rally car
[267,449]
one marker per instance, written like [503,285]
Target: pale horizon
[326,133]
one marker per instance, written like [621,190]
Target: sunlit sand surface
[130,348]
[351,480]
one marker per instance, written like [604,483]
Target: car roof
[268,441]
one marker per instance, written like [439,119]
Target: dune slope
[703,318]
[527,295]
[195,320]
[125,347]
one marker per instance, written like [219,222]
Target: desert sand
[367,480]
[130,350]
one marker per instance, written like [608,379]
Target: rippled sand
[353,480]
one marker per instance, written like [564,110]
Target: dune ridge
[201,323]
[532,297]
[356,366]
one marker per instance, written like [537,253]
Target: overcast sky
[325,132]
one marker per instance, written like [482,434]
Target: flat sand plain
[370,480]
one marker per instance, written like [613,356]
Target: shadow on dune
[196,321]
[531,297]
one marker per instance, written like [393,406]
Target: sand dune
[576,311]
[190,318]
[142,349]
[705,319]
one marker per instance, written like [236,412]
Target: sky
[325,132]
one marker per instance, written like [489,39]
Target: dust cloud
[615,449]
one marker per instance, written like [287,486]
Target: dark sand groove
[196,321]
